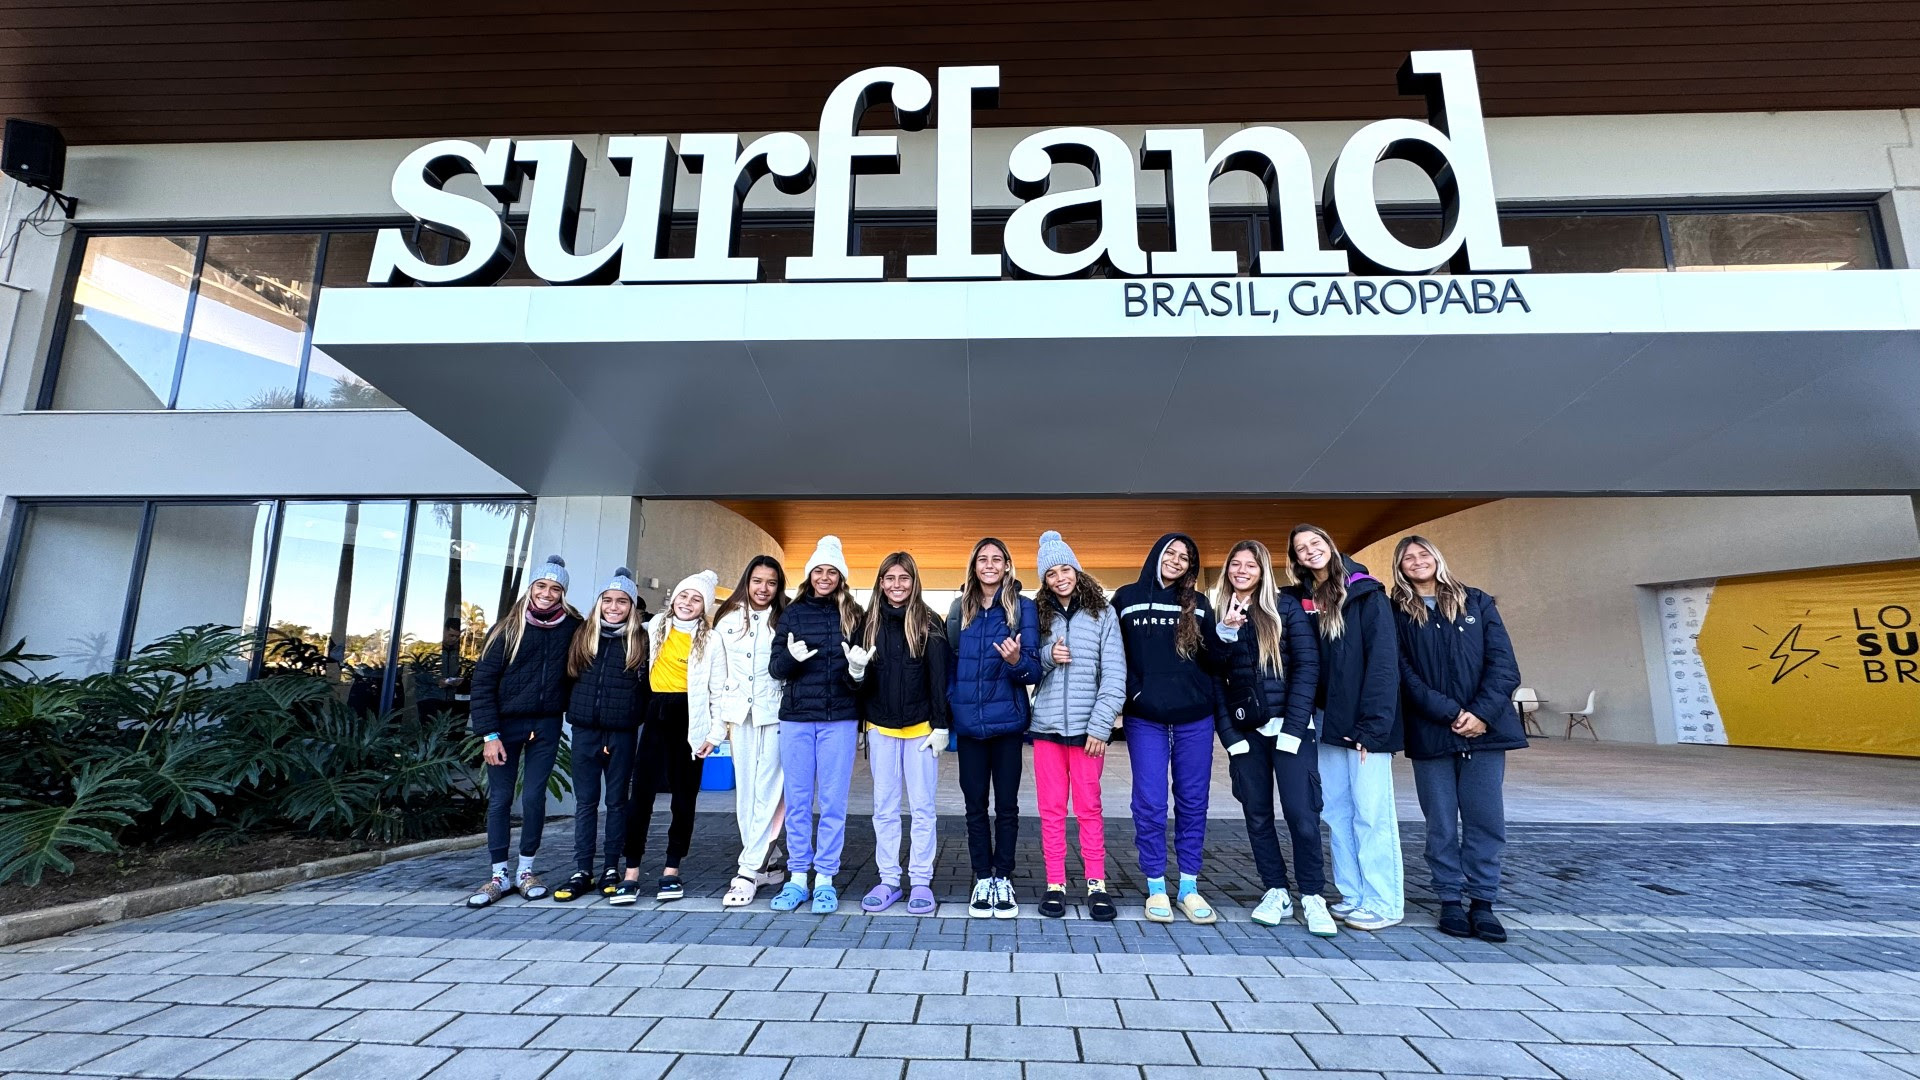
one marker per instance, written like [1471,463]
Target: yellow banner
[1818,659]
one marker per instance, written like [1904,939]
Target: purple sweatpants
[818,757]
[1184,754]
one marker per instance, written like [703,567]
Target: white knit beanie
[703,583]
[827,553]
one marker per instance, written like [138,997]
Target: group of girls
[1311,685]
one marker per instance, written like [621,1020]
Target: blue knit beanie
[554,569]
[1054,552]
[623,580]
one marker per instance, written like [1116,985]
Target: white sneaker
[1004,906]
[1342,909]
[1362,919]
[1274,908]
[1313,912]
[981,906]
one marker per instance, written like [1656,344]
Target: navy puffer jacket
[1251,695]
[819,687]
[1447,666]
[1359,695]
[512,699]
[987,695]
[606,696]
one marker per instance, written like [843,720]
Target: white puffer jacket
[751,695]
[706,676]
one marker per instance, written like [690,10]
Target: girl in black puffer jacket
[1457,677]
[608,664]
[519,693]
[1265,720]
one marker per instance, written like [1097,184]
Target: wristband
[490,737]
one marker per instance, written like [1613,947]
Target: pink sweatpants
[1058,770]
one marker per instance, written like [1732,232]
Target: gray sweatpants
[1466,822]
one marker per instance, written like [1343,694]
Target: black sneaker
[609,881]
[1054,905]
[625,893]
[670,888]
[1486,925]
[981,906]
[576,886]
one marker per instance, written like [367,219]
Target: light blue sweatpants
[1364,829]
[818,759]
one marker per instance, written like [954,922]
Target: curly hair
[1088,596]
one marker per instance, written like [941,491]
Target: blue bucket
[717,772]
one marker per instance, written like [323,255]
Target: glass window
[1788,240]
[1233,234]
[129,310]
[329,384]
[467,562]
[69,588]
[205,564]
[774,244]
[1588,243]
[250,318]
[331,611]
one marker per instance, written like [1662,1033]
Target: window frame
[276,522]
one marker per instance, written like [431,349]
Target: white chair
[1583,718]
[1526,701]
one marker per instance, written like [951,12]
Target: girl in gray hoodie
[1083,684]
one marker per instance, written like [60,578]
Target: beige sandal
[494,889]
[739,892]
[1198,910]
[1159,908]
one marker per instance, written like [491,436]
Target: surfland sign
[1450,147]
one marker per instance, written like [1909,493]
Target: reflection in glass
[250,322]
[1793,240]
[129,309]
[329,384]
[205,564]
[465,571]
[331,611]
[70,585]
[1588,243]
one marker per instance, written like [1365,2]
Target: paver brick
[267,1059]
[1812,1064]
[947,1009]
[59,1051]
[297,992]
[592,1033]
[388,1026]
[387,995]
[1122,1046]
[1198,988]
[827,1068]
[1278,1017]
[1712,1063]
[1597,1062]
[877,1008]
[1171,1015]
[1379,1019]
[914,1042]
[994,1042]
[1247,1049]
[84,1017]
[186,1020]
[488,1031]
[158,1055]
[789,1038]
[612,1064]
[1072,1012]
[1481,1057]
[1595,1028]
[653,1001]
[708,1067]
[1489,1024]
[684,1035]
[284,1025]
[497,1064]
[577,1000]
[1362,1052]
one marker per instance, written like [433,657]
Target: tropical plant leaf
[36,838]
[17,657]
[178,778]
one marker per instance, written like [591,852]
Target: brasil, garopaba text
[1306,297]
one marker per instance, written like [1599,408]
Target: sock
[1189,884]
[526,865]
[500,870]
[1156,886]
[1051,887]
[1095,885]
[822,881]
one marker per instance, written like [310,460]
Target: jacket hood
[1150,570]
[1359,582]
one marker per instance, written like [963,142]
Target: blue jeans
[818,756]
[1365,832]
[1466,816]
[600,756]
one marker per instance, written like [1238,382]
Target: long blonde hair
[1450,597]
[850,613]
[512,626]
[918,619]
[586,640]
[973,596]
[1329,596]
[662,622]
[1264,617]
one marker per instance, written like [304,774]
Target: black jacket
[819,687]
[1449,666]
[1161,684]
[1251,695]
[606,696]
[902,690]
[1359,694]
[508,699]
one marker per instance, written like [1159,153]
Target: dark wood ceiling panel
[127,71]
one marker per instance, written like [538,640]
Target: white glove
[857,659]
[799,650]
[937,741]
[1238,748]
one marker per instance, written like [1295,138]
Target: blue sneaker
[826,899]
[791,895]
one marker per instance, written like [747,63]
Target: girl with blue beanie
[815,654]
[519,693]
[996,643]
[608,665]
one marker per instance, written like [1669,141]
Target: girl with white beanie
[746,714]
[814,653]
[608,665]
[683,654]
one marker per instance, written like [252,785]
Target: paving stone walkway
[1709,951]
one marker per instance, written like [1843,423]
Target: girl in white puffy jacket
[745,710]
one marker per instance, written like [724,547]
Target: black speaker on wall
[34,154]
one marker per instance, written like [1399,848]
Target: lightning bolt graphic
[1790,654]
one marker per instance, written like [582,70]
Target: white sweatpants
[759,790]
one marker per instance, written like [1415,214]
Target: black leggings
[664,762]
[991,762]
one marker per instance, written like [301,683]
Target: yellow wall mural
[1818,659]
